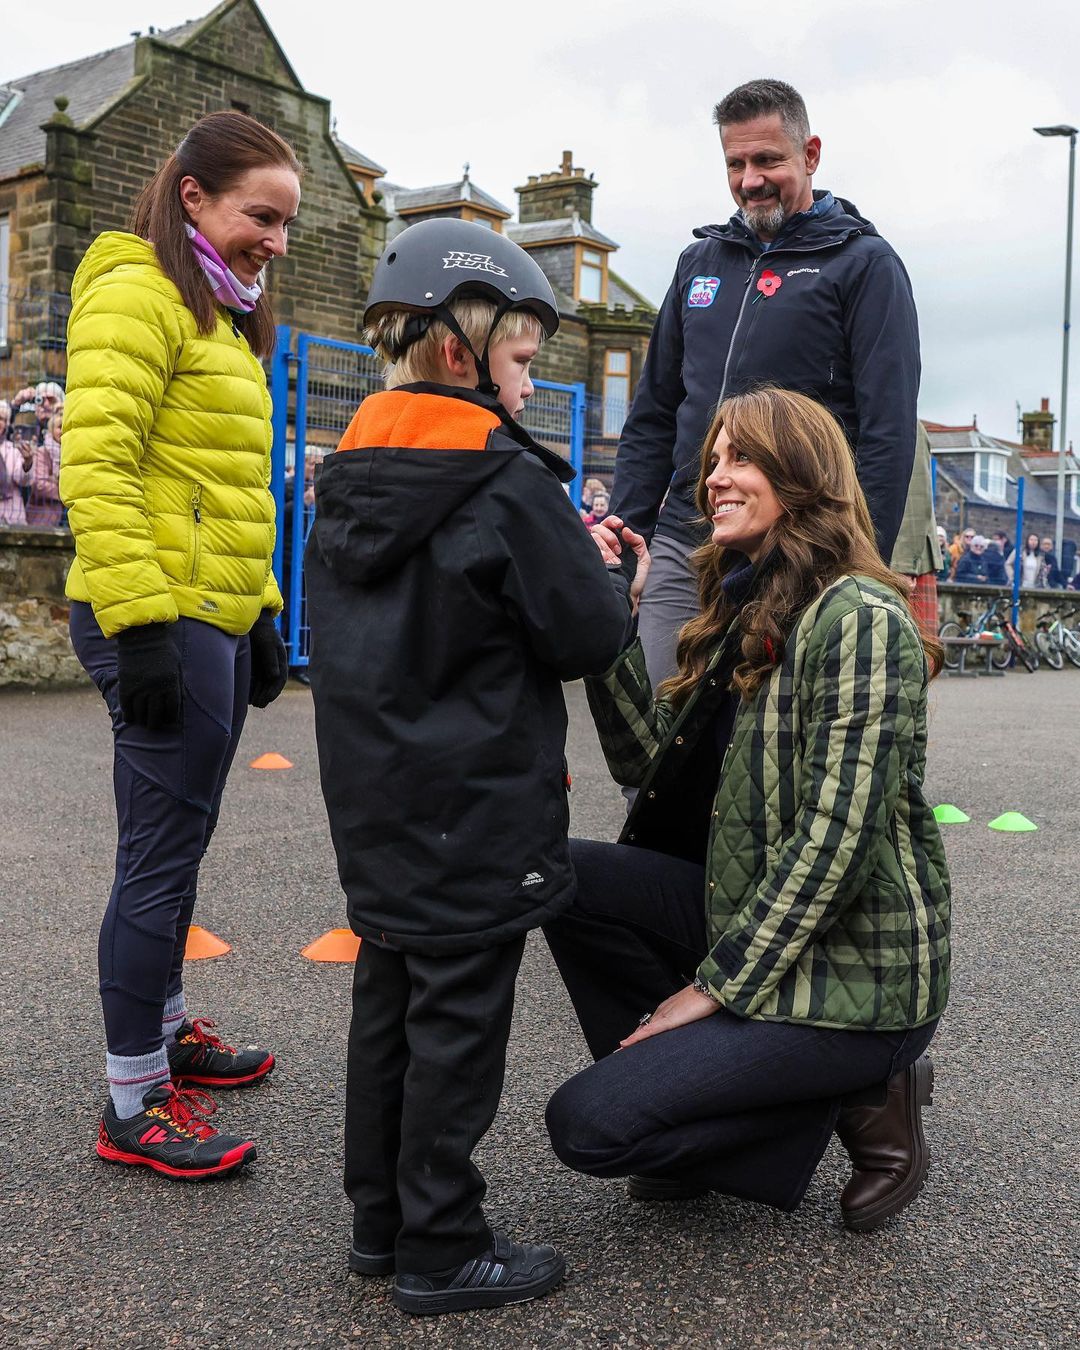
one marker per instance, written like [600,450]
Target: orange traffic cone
[201,944]
[272,760]
[340,944]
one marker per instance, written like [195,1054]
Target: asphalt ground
[96,1255]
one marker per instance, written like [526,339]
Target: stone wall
[557,264]
[972,600]
[623,330]
[564,358]
[34,648]
[35,651]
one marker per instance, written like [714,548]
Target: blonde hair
[824,532]
[421,360]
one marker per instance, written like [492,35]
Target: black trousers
[427,1055]
[744,1107]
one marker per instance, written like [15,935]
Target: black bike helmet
[435,261]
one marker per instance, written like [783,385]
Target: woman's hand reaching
[688,1005]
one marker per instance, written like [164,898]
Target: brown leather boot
[888,1151]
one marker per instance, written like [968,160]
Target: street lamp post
[1063,445]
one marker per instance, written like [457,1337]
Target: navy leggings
[168,787]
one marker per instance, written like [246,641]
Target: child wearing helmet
[446,575]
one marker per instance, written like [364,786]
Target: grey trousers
[670,598]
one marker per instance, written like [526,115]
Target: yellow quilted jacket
[166,461]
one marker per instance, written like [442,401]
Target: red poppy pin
[768,284]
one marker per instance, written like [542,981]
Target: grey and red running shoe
[172,1135]
[198,1056]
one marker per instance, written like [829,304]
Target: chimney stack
[557,195]
[1038,428]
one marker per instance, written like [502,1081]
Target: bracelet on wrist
[703,988]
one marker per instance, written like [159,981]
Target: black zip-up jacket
[835,320]
[451,587]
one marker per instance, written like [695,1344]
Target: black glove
[148,671]
[269,662]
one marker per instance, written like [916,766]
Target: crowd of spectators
[975,560]
[31,430]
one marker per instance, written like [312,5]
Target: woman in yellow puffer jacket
[166,474]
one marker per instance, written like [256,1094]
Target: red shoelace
[204,1037]
[188,1109]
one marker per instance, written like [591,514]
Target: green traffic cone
[950,815]
[1013,821]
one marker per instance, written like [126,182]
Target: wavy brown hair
[824,533]
[218,150]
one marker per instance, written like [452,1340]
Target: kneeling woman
[780,777]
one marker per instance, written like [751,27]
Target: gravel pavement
[92,1255]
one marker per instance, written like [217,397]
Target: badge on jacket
[702,292]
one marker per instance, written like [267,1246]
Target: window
[5,241]
[616,391]
[990,476]
[1074,485]
[591,279]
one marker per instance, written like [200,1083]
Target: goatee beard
[763,219]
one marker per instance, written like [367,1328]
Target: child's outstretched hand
[610,536]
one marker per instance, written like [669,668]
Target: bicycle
[1000,655]
[1017,648]
[1046,641]
[1066,640]
[1073,631]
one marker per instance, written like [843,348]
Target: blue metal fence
[604,418]
[317,384]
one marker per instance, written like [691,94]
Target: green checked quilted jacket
[827,893]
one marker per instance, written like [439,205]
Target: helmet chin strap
[487,385]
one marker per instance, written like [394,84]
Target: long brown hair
[218,150]
[824,533]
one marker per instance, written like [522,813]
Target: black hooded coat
[451,587]
[827,310]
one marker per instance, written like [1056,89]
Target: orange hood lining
[418,422]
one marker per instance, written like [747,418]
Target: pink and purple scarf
[226,285]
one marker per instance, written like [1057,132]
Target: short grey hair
[761,98]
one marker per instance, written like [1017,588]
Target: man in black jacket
[797,289]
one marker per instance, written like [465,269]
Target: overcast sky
[924,107]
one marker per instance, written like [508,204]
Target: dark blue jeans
[743,1107]
[168,787]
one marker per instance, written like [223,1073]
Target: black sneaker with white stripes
[511,1272]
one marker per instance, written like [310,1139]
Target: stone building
[606,322]
[977,478]
[462,200]
[77,142]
